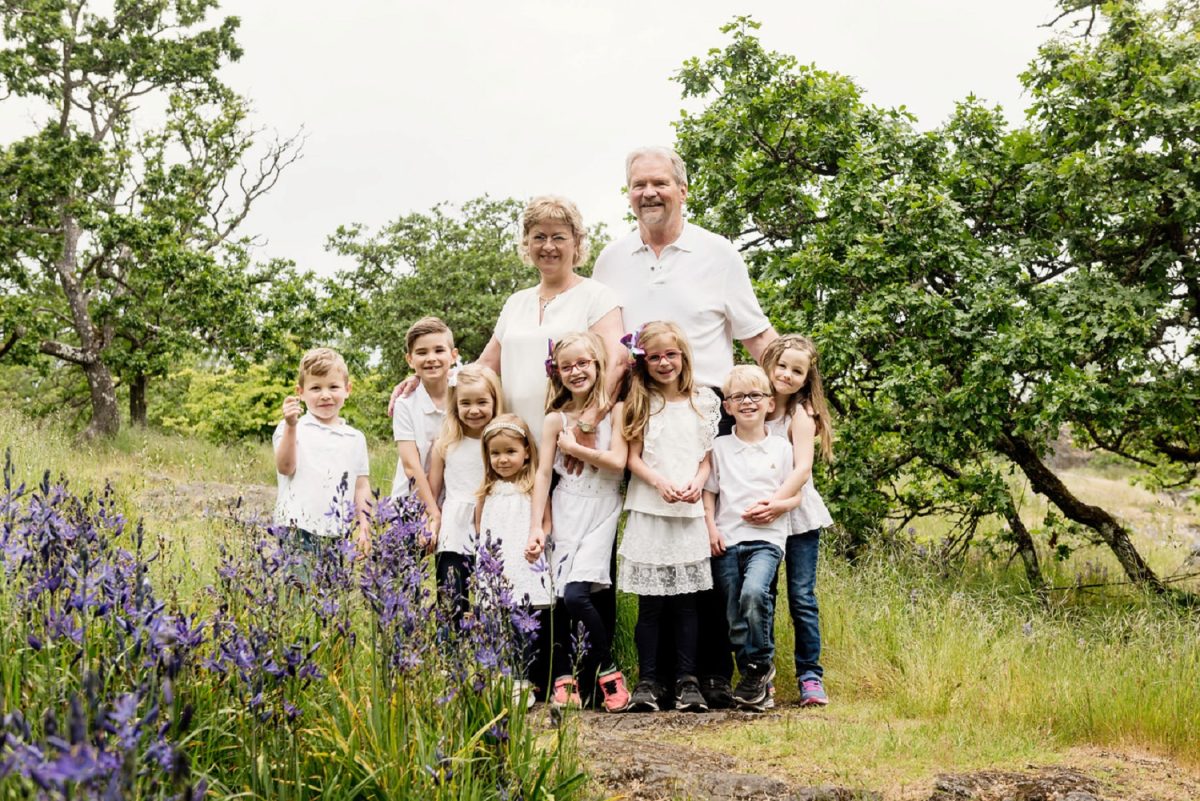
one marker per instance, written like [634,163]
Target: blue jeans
[744,576]
[801,561]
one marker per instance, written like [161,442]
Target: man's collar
[686,240]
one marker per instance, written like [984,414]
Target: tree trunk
[137,400]
[106,416]
[1044,481]
[1025,549]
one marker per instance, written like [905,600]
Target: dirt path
[640,758]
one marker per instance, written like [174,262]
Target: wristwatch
[585,428]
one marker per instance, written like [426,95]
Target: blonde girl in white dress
[664,555]
[456,467]
[587,505]
[502,512]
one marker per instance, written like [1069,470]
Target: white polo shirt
[745,472]
[700,282]
[324,456]
[415,419]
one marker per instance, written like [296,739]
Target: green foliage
[976,288]
[457,264]
[119,251]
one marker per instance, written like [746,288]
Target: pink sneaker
[565,693]
[812,693]
[616,696]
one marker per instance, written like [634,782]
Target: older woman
[554,241]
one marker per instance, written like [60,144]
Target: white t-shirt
[699,282]
[745,472]
[523,341]
[324,456]
[415,419]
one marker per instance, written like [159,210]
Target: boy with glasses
[748,466]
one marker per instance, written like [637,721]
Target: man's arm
[758,343]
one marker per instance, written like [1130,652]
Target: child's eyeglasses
[582,364]
[666,355]
[741,397]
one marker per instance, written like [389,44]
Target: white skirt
[585,527]
[664,555]
[457,533]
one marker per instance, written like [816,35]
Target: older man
[670,269]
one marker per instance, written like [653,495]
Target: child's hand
[567,442]
[534,546]
[763,513]
[433,524]
[716,544]
[292,409]
[362,546]
[691,491]
[666,490]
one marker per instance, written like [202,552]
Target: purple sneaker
[812,693]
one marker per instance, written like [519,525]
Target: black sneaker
[717,692]
[645,697]
[753,689]
[688,697]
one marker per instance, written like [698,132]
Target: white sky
[406,103]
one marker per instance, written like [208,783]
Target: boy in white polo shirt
[319,459]
[417,419]
[748,466]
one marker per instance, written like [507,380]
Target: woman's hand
[402,390]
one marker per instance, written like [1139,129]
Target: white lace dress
[812,512]
[506,517]
[586,508]
[462,478]
[665,547]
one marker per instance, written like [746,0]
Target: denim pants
[744,575]
[801,561]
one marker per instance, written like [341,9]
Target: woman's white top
[523,340]
[586,508]
[677,437]
[505,517]
[462,478]
[812,512]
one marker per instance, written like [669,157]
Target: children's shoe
[770,702]
[688,697]
[751,692]
[522,692]
[717,692]
[645,697]
[612,686]
[812,693]
[565,693]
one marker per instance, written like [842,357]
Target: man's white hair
[677,165]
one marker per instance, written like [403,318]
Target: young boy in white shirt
[319,458]
[417,418]
[748,466]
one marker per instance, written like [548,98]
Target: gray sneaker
[753,689]
[645,697]
[717,692]
[688,697]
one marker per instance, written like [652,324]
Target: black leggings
[581,607]
[453,571]
[680,610]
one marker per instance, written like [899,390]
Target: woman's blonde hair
[812,395]
[554,209]
[643,392]
[512,426]
[557,393]
[467,376]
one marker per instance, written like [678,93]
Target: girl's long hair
[557,393]
[467,376]
[644,398]
[812,394]
[502,425]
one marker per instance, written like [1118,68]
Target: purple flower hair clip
[551,367]
[630,341]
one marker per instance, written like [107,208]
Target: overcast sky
[406,103]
